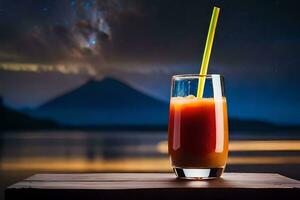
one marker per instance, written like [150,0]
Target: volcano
[104,103]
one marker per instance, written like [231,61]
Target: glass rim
[193,76]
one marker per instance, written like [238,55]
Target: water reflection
[87,147]
[122,151]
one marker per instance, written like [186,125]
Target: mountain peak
[104,80]
[107,101]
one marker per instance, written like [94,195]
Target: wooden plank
[238,178]
[155,185]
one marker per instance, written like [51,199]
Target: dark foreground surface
[153,186]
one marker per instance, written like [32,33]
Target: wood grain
[136,185]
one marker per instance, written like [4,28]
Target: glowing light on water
[256,145]
[126,164]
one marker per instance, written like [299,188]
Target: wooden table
[153,186]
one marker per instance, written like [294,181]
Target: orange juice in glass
[198,127]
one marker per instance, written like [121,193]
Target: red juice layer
[198,132]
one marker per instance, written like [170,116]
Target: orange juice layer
[198,132]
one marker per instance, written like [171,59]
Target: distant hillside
[13,120]
[104,103]
[112,105]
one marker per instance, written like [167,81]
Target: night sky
[49,47]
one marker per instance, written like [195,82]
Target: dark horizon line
[235,125]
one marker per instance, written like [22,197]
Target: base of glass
[198,174]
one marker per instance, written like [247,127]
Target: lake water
[25,153]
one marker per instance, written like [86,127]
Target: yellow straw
[207,50]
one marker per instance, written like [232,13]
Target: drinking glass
[198,127]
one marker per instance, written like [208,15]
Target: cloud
[107,34]
[66,68]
